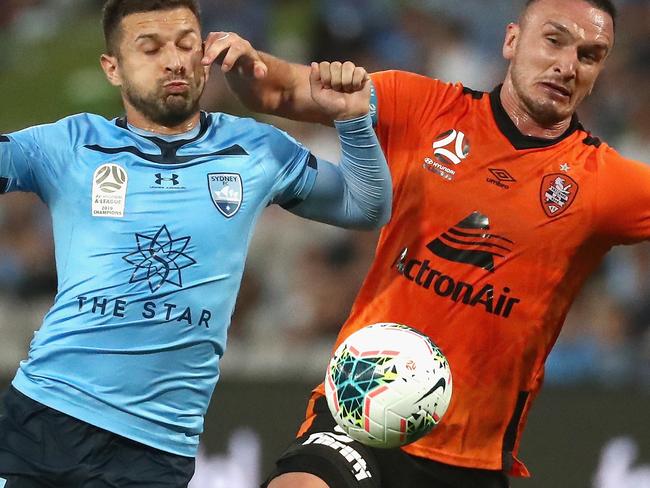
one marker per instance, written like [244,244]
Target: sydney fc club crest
[226,191]
[557,193]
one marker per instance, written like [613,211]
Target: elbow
[384,214]
[378,217]
[386,207]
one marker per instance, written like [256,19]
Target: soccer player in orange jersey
[503,205]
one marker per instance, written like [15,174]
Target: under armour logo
[160,178]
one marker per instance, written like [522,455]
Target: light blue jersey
[151,238]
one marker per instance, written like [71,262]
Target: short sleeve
[622,199]
[28,158]
[293,167]
[400,98]
[16,154]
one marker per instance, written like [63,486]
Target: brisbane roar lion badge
[557,193]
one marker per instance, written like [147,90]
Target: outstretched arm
[356,193]
[271,85]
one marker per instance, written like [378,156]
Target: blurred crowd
[301,277]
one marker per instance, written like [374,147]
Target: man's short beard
[543,113]
[169,111]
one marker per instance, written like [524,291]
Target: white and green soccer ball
[388,385]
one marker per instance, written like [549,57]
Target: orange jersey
[492,235]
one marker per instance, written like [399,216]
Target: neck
[136,119]
[522,118]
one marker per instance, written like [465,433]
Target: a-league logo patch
[226,191]
[449,149]
[557,193]
[109,191]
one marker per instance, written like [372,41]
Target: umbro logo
[470,242]
[500,178]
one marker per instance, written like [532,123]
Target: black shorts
[325,451]
[41,447]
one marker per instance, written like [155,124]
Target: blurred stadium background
[590,426]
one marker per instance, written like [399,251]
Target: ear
[510,42]
[111,69]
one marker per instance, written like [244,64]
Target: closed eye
[591,56]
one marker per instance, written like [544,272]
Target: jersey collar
[205,120]
[168,149]
[516,138]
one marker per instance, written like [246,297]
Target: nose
[174,61]
[566,64]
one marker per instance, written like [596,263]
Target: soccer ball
[387,385]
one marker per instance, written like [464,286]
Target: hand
[231,51]
[341,90]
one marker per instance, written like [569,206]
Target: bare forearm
[322,92]
[284,91]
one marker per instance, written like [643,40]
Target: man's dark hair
[115,10]
[604,5]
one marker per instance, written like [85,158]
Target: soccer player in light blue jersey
[152,215]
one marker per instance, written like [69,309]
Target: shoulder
[593,150]
[612,167]
[403,78]
[415,84]
[82,121]
[239,126]
[248,129]
[403,97]
[68,128]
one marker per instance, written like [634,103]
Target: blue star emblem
[159,259]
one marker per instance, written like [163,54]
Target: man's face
[158,65]
[556,54]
